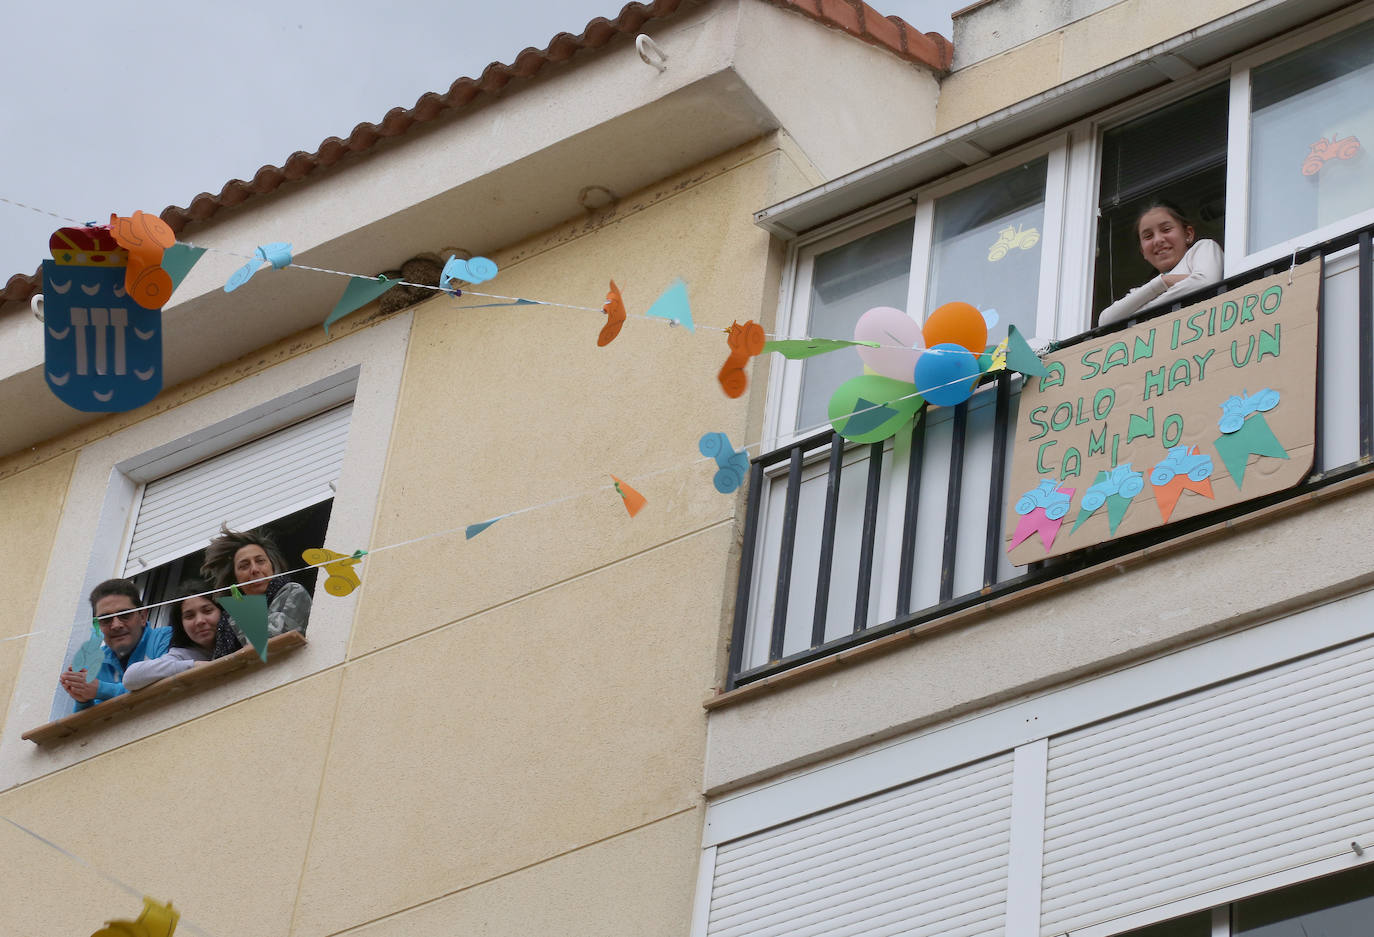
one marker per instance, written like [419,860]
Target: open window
[282,481]
[1177,153]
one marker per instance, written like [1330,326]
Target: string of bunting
[343,578]
[907,365]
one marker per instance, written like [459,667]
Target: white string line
[181,922]
[455,293]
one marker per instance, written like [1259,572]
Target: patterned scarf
[228,639]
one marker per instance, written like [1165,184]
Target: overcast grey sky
[111,107]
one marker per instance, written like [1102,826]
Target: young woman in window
[195,622]
[252,561]
[1170,245]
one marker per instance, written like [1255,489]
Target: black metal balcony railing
[1336,360]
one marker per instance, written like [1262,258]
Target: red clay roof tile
[854,17]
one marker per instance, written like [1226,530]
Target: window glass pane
[1311,124]
[1336,906]
[1194,925]
[845,283]
[987,243]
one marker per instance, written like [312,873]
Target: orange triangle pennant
[634,501]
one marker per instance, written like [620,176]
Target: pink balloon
[889,327]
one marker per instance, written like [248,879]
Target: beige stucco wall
[513,740]
[1078,48]
[1130,611]
[30,509]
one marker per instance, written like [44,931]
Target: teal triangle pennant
[1253,438]
[475,529]
[1020,356]
[250,614]
[89,655]
[673,305]
[359,292]
[178,260]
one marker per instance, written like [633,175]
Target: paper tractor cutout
[1183,469]
[615,317]
[145,237]
[733,466]
[156,920]
[1116,489]
[745,342]
[278,254]
[477,270]
[343,578]
[1323,150]
[1042,511]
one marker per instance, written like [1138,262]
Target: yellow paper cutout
[343,578]
[157,920]
[1012,236]
[634,501]
[999,355]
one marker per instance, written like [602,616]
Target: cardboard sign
[1184,414]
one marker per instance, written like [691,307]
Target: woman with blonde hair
[251,561]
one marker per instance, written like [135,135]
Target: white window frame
[1237,255]
[365,366]
[1065,153]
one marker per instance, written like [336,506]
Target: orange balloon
[959,323]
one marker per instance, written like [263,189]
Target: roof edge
[858,19]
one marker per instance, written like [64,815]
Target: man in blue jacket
[126,641]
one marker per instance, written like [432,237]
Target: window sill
[161,692]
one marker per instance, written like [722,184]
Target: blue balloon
[946,374]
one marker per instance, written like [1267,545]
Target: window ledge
[162,691]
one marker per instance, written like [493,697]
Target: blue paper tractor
[1123,481]
[1045,495]
[1237,408]
[733,466]
[1180,462]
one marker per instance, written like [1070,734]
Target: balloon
[888,326]
[959,324]
[871,408]
[945,374]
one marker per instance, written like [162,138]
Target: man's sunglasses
[125,617]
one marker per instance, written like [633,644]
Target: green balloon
[884,406]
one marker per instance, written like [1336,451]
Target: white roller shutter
[1259,775]
[926,858]
[250,485]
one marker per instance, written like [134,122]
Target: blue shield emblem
[102,350]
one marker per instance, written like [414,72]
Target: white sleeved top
[140,674]
[1201,266]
